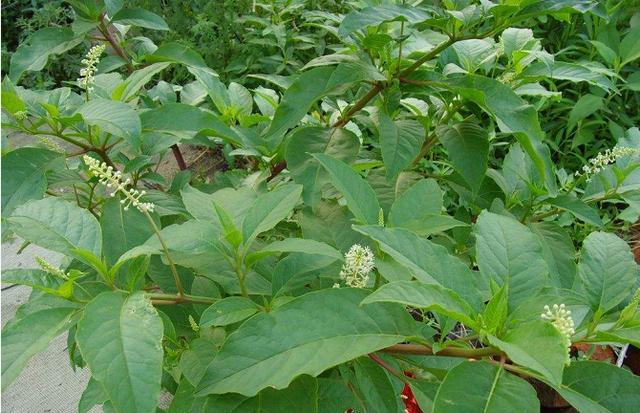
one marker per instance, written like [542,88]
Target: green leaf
[607,270]
[400,143]
[185,121]
[122,230]
[194,361]
[536,345]
[214,87]
[92,395]
[468,148]
[330,328]
[496,311]
[307,246]
[630,46]
[33,54]
[29,335]
[114,117]
[558,251]
[373,16]
[376,386]
[57,225]
[141,18]
[429,262]
[33,278]
[178,53]
[509,253]
[577,208]
[479,387]
[300,396]
[128,89]
[630,335]
[512,114]
[305,91]
[24,175]
[596,387]
[360,197]
[120,338]
[305,170]
[228,311]
[268,210]
[431,297]
[573,72]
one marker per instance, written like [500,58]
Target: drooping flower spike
[114,180]
[605,158]
[358,263]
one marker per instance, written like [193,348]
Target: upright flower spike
[111,179]
[359,262]
[89,67]
[561,319]
[51,269]
[605,158]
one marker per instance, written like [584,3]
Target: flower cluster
[51,269]
[20,115]
[192,322]
[358,264]
[605,158]
[561,319]
[90,61]
[51,145]
[113,179]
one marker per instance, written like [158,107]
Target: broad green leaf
[33,54]
[194,361]
[371,16]
[300,396]
[268,210]
[185,121]
[57,225]
[33,278]
[583,108]
[536,345]
[114,117]
[514,39]
[122,230]
[92,395]
[305,336]
[607,270]
[577,208]
[307,89]
[360,197]
[509,253]
[431,297]
[214,87]
[23,176]
[429,262]
[29,335]
[307,246]
[136,80]
[235,202]
[141,18]
[120,338]
[468,148]
[424,198]
[573,72]
[240,98]
[337,142]
[512,114]
[496,311]
[558,251]
[376,386]
[228,311]
[630,46]
[630,335]
[297,270]
[597,387]
[400,143]
[178,53]
[479,387]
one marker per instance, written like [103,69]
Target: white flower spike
[113,180]
[359,262]
[90,62]
[605,158]
[561,319]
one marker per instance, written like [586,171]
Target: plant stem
[172,299]
[172,265]
[378,359]
[420,349]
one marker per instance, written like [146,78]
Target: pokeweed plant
[399,222]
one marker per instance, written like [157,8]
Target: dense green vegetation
[430,198]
